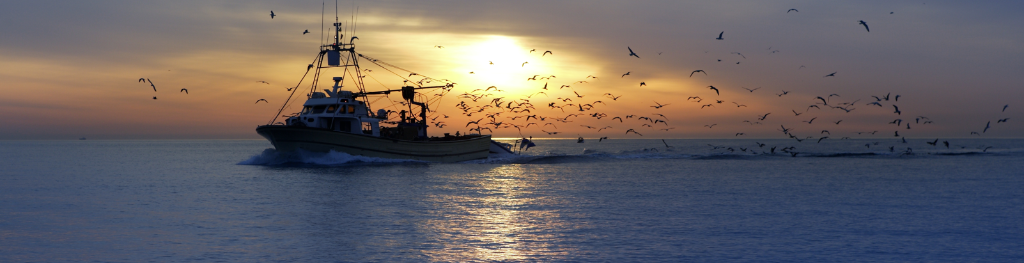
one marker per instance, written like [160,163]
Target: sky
[70,69]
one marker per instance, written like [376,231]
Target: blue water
[611,201]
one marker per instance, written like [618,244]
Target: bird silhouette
[257,101]
[151,84]
[716,90]
[1002,120]
[1004,107]
[627,74]
[524,64]
[793,9]
[631,53]
[833,74]
[898,112]
[987,125]
[699,70]
[633,131]
[272,15]
[643,83]
[720,35]
[305,32]
[547,52]
[865,25]
[183,90]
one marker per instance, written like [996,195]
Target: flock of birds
[547,108]
[539,111]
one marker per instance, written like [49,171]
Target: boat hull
[289,138]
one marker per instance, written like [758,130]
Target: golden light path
[500,210]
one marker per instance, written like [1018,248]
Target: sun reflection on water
[497,217]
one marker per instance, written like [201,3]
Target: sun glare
[500,61]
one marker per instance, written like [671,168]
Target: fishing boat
[341,119]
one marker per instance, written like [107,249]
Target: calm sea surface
[610,201]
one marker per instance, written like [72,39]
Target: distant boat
[343,121]
[580,140]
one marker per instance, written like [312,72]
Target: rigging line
[375,61]
[295,89]
[385,87]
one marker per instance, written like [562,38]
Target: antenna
[322,7]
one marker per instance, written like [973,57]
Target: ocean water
[609,201]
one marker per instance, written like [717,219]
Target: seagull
[659,105]
[272,15]
[783,93]
[720,36]
[305,32]
[898,112]
[765,116]
[547,52]
[751,90]
[144,80]
[792,9]
[440,47]
[1004,107]
[264,82]
[699,70]
[183,90]
[257,101]
[711,126]
[987,125]
[1002,120]
[716,90]
[865,25]
[154,97]
[154,86]
[643,83]
[738,53]
[524,64]
[833,74]
[627,74]
[633,131]
[631,53]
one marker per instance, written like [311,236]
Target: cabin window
[306,109]
[351,109]
[332,108]
[319,109]
[367,128]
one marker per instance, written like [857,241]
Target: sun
[502,62]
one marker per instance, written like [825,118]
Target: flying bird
[547,52]
[792,9]
[659,105]
[643,83]
[627,74]
[272,15]
[716,90]
[833,74]
[631,53]
[1004,107]
[633,131]
[751,90]
[524,64]
[865,25]
[183,90]
[257,101]
[1002,120]
[720,35]
[699,70]
[154,86]
[305,32]
[987,125]
[898,112]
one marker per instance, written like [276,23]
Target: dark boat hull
[289,138]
